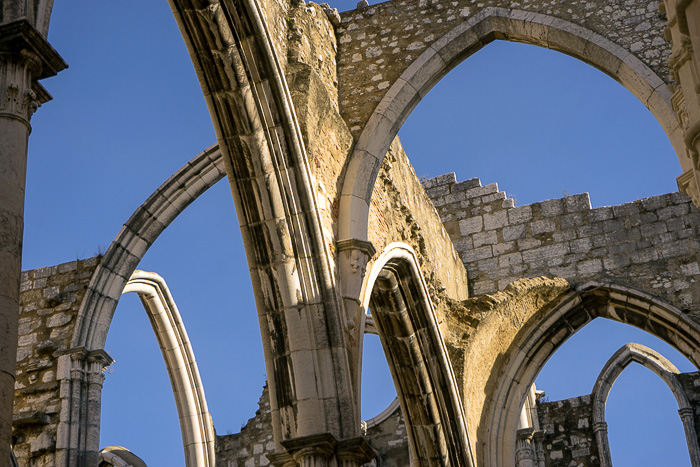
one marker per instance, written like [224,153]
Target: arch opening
[543,333]
[429,68]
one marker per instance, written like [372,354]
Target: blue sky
[129,112]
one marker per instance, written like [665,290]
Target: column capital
[355,451]
[309,450]
[20,37]
[25,58]
[364,246]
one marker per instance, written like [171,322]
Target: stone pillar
[25,57]
[80,375]
[691,437]
[353,256]
[683,31]
[539,448]
[600,429]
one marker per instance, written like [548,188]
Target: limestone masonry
[469,294]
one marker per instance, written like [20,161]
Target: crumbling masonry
[470,295]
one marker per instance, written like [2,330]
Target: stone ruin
[470,294]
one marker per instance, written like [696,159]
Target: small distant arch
[539,336]
[660,365]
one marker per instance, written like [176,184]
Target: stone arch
[665,370]
[539,335]
[196,426]
[406,323]
[457,45]
[135,238]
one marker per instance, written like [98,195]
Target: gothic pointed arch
[198,436]
[663,368]
[135,238]
[535,337]
[459,43]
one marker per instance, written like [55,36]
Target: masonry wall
[49,302]
[650,244]
[250,447]
[569,437]
[377,43]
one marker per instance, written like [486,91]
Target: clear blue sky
[129,112]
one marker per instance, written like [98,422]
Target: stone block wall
[49,302]
[250,447]
[569,437]
[650,244]
[377,43]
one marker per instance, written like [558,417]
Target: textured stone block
[471,225]
[520,214]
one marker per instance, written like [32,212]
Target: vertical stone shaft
[25,57]
[15,93]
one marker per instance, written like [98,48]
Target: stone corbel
[353,255]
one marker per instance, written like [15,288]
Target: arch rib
[407,326]
[135,238]
[196,426]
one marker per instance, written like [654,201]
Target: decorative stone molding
[25,57]
[318,450]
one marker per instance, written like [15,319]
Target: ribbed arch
[135,238]
[407,326]
[196,427]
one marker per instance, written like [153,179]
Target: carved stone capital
[317,450]
[354,452]
[312,450]
[25,57]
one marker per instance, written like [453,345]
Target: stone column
[353,256]
[691,437]
[524,449]
[25,57]
[600,429]
[539,448]
[80,375]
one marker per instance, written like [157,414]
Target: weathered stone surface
[650,244]
[49,302]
